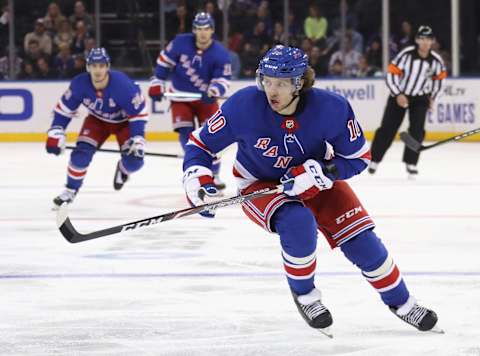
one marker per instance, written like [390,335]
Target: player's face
[424,43]
[279,91]
[98,71]
[203,34]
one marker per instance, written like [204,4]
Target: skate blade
[437,330]
[327,332]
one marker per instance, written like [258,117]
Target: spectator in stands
[89,44]
[249,59]
[64,36]
[315,25]
[263,15]
[235,41]
[81,34]
[294,29]
[279,35]
[181,21]
[406,37]
[33,51]
[53,18]
[307,46]
[349,58]
[212,8]
[39,35]
[364,68]
[356,38]
[78,65]
[318,61]
[63,63]
[80,14]
[236,64]
[5,66]
[27,71]
[259,37]
[336,69]
[44,70]
[374,53]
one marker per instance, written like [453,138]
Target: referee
[414,79]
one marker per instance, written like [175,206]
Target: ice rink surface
[194,286]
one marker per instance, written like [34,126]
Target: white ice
[194,286]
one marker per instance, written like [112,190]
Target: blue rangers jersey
[121,100]
[323,128]
[194,70]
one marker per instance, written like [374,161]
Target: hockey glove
[156,89]
[135,146]
[207,99]
[56,140]
[200,188]
[306,180]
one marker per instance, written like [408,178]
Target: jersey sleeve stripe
[195,140]
[63,110]
[363,154]
[164,61]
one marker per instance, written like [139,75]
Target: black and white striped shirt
[412,75]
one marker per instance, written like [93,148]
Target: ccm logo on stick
[10,110]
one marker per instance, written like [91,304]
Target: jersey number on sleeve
[216,122]
[354,129]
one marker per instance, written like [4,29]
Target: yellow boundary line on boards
[172,136]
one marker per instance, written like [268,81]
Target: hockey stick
[169,155]
[72,235]
[417,146]
[186,95]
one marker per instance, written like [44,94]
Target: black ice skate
[313,311]
[420,317]
[120,178]
[66,196]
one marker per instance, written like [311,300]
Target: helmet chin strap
[295,95]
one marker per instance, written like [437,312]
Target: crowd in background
[56,44]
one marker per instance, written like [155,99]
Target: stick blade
[64,224]
[410,142]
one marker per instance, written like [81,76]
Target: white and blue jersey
[323,128]
[193,70]
[120,101]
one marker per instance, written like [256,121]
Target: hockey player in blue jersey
[197,64]
[115,106]
[308,140]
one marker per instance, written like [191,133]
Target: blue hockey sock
[77,167]
[183,135]
[369,254]
[297,228]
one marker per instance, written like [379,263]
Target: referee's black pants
[391,121]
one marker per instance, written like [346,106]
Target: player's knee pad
[184,134]
[132,163]
[297,228]
[365,250]
[82,155]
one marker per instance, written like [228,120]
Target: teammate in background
[308,140]
[115,106]
[199,64]
[414,79]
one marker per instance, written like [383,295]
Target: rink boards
[26,107]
